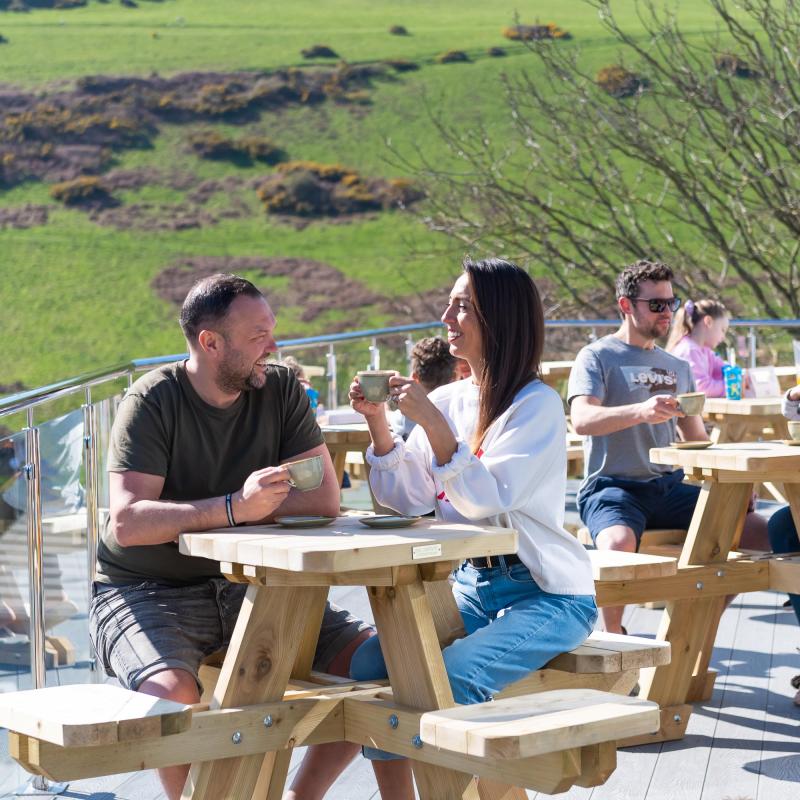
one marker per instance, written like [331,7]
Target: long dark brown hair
[511,318]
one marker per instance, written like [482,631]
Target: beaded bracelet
[229,511]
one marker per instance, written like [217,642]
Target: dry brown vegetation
[27,216]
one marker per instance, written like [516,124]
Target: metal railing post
[374,354]
[90,465]
[752,338]
[409,343]
[38,784]
[331,376]
[32,470]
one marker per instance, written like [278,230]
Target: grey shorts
[141,629]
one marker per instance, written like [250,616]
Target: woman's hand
[410,398]
[362,405]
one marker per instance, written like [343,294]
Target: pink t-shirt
[706,366]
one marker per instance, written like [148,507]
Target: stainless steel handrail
[21,400]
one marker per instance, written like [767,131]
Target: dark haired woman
[490,450]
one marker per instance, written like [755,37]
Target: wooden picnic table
[344,439]
[787,376]
[709,569]
[553,372]
[291,573]
[745,420]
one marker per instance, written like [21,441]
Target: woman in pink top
[699,328]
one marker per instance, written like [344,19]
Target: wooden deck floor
[742,745]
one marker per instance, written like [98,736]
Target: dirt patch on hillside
[315,287]
[27,216]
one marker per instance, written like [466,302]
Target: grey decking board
[681,767]
[741,718]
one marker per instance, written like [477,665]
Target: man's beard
[231,380]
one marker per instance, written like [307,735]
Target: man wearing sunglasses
[622,395]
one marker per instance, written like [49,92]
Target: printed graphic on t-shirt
[656,380]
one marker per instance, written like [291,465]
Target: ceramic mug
[306,474]
[691,403]
[375,384]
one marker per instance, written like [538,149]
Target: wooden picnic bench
[267,700]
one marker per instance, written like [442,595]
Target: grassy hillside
[77,294]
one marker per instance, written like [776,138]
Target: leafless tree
[699,167]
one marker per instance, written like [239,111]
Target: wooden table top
[759,458]
[747,406]
[347,545]
[556,369]
[354,433]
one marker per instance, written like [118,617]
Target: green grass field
[77,296]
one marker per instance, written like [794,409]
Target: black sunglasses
[657,305]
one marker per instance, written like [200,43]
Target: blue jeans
[783,538]
[513,628]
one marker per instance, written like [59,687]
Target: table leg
[792,491]
[275,766]
[417,675]
[257,668]
[690,626]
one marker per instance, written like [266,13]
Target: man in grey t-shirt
[622,395]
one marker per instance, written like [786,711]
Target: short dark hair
[433,363]
[209,299]
[635,274]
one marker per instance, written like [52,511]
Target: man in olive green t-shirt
[198,445]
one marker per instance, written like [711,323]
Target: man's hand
[262,493]
[659,408]
[794,393]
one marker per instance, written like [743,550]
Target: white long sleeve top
[516,480]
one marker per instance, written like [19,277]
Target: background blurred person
[698,329]
[432,366]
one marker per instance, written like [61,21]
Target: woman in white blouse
[490,450]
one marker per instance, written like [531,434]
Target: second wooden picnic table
[708,568]
[745,420]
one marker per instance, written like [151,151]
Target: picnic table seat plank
[610,652]
[616,565]
[85,715]
[531,725]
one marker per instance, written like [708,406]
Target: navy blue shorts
[664,502]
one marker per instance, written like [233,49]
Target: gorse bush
[398,30]
[81,191]
[451,57]
[213,145]
[401,65]
[528,33]
[319,51]
[734,66]
[620,82]
[311,189]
